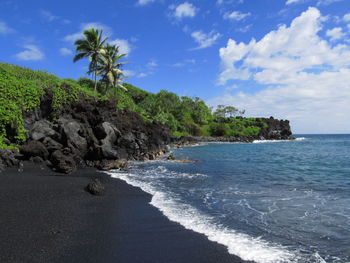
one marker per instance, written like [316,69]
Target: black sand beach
[46,217]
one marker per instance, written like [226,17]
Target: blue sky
[285,58]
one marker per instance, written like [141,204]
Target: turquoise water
[286,201]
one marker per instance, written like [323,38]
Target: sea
[267,201]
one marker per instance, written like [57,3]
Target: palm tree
[109,66]
[90,46]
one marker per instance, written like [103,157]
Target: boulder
[51,145]
[116,164]
[8,158]
[41,129]
[108,149]
[95,187]
[34,148]
[73,133]
[171,157]
[62,163]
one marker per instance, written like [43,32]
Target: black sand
[50,218]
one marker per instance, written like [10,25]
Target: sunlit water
[267,202]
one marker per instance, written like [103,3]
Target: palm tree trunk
[95,88]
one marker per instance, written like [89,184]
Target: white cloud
[327,2]
[73,37]
[229,2]
[306,79]
[236,15]
[32,52]
[335,33]
[144,2]
[293,1]
[205,40]
[346,17]
[123,44]
[149,69]
[184,10]
[66,51]
[5,29]
[48,15]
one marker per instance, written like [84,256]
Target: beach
[49,217]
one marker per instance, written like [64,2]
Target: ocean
[267,201]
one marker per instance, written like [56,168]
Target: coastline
[47,217]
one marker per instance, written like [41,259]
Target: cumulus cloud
[73,37]
[144,2]
[65,51]
[335,33]
[5,29]
[185,9]
[205,40]
[304,78]
[236,15]
[123,44]
[31,53]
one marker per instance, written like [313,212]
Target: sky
[284,58]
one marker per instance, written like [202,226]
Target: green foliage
[21,90]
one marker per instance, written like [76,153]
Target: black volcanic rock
[34,148]
[95,187]
[62,163]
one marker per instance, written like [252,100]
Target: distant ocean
[284,201]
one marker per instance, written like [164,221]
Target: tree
[231,111]
[90,46]
[109,66]
[220,111]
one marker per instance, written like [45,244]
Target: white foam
[272,141]
[242,245]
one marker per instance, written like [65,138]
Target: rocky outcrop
[88,133]
[275,130]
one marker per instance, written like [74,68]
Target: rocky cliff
[86,133]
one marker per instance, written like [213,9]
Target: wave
[272,141]
[242,245]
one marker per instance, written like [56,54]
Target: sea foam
[242,245]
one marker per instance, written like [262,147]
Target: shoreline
[47,217]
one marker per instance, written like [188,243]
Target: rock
[41,129]
[8,158]
[108,143]
[34,148]
[186,161]
[36,159]
[51,145]
[62,163]
[117,164]
[171,157]
[95,188]
[73,133]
